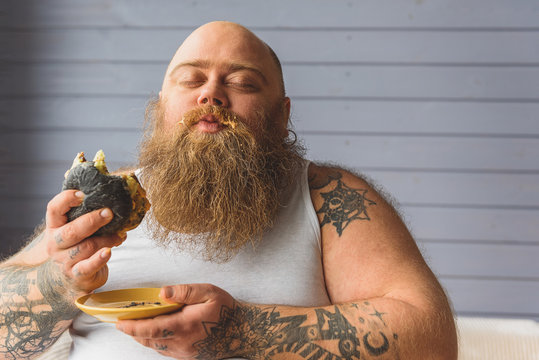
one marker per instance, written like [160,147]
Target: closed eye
[191,83]
[244,86]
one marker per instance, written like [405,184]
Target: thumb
[187,293]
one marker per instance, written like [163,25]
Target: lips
[209,124]
[210,118]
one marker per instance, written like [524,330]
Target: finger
[89,267]
[188,293]
[160,327]
[90,246]
[60,205]
[96,281]
[82,227]
[143,329]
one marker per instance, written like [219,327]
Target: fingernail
[105,253]
[106,213]
[169,291]
[79,194]
[119,326]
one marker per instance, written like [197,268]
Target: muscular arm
[215,326]
[369,255]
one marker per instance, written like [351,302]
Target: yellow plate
[111,306]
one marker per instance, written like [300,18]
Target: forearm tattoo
[355,331]
[342,204]
[33,301]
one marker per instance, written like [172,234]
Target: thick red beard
[213,193]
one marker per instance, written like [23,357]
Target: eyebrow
[233,66]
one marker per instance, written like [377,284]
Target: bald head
[224,37]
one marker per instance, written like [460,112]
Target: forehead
[223,44]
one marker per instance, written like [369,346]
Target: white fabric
[498,339]
[285,268]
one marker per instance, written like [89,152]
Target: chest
[281,269]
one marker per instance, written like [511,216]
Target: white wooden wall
[436,100]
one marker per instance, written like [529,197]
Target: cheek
[173,113]
[170,120]
[250,111]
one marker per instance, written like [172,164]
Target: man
[273,256]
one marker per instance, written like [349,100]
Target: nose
[212,94]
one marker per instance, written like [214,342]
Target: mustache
[211,112]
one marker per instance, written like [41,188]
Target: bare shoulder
[322,177]
[362,237]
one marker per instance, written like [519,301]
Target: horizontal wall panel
[36,147]
[342,81]
[422,117]
[483,260]
[280,13]
[407,187]
[356,151]
[424,152]
[432,223]
[489,297]
[348,46]
[75,113]
[413,82]
[460,189]
[472,224]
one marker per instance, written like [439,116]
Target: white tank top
[285,268]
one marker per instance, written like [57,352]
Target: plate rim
[81,305]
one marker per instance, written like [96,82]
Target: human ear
[286,116]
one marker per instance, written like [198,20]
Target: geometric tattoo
[343,204]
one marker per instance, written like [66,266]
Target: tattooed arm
[34,312]
[213,325]
[369,254]
[39,284]
[387,302]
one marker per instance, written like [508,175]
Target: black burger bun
[122,194]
